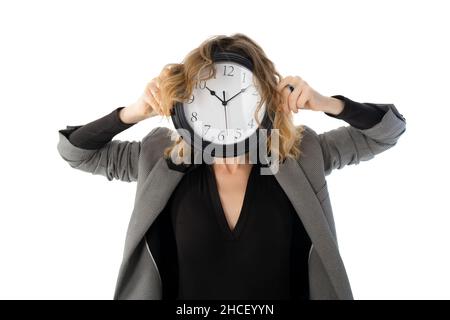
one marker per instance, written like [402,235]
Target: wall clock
[219,118]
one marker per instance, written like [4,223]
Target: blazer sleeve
[349,144]
[93,150]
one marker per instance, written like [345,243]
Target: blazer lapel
[151,197]
[296,185]
[150,201]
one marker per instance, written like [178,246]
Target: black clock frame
[180,122]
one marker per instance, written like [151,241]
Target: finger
[284,82]
[293,98]
[285,94]
[148,89]
[153,102]
[155,91]
[154,85]
[303,98]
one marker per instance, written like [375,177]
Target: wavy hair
[179,80]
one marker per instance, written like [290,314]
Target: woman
[222,230]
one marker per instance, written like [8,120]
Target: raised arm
[373,128]
[90,147]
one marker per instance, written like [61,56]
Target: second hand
[225,107]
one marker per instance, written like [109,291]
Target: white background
[70,62]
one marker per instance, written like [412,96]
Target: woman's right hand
[148,104]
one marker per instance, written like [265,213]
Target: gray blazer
[303,181]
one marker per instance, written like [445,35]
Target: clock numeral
[208,126]
[238,134]
[230,73]
[191,99]
[221,135]
[201,85]
[194,116]
[251,124]
[243,78]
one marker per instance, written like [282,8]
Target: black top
[200,257]
[265,256]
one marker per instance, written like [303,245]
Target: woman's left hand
[305,97]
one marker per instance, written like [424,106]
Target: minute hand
[242,90]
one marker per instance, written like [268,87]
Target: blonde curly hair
[180,78]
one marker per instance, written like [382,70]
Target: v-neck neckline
[230,234]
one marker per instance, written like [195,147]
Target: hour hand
[213,93]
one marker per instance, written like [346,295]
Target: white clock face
[222,109]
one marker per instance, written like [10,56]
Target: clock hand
[225,109]
[242,90]
[226,102]
[213,93]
